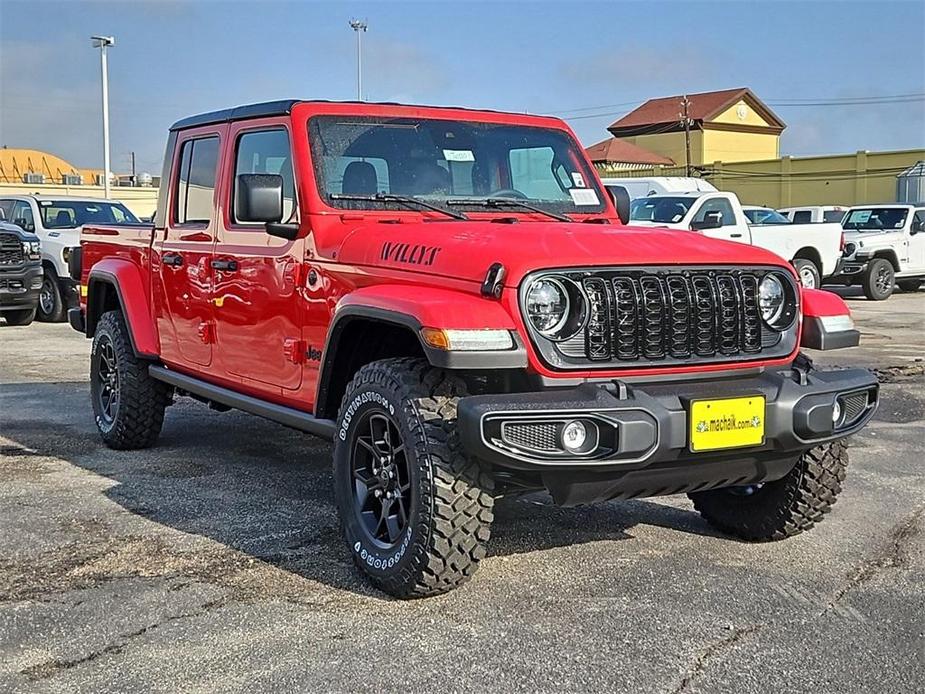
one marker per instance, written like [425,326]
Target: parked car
[450,296]
[659,185]
[884,245]
[813,249]
[814,214]
[57,221]
[763,215]
[20,273]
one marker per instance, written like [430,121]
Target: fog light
[36,283]
[574,435]
[836,412]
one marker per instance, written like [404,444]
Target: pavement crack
[892,555]
[50,668]
[714,649]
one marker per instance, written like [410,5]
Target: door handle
[172,259]
[225,265]
[735,236]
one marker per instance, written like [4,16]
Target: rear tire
[878,279]
[810,277]
[51,308]
[415,511]
[127,403]
[19,317]
[909,285]
[784,507]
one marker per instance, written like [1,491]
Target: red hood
[465,250]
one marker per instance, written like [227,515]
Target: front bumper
[20,288]
[643,442]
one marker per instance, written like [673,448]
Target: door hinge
[294,350]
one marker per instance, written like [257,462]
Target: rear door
[182,251]
[258,310]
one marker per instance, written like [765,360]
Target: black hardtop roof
[283,107]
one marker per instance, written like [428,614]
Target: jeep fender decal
[410,254]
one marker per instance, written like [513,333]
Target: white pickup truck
[885,245]
[814,250]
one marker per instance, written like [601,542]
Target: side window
[803,217]
[266,152]
[195,187]
[721,205]
[918,222]
[22,216]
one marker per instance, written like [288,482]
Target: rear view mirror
[711,220]
[621,200]
[258,198]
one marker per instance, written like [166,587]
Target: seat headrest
[360,179]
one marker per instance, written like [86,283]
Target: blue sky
[175,57]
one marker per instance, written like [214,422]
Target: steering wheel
[508,193]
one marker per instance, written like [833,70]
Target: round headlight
[771,299]
[547,305]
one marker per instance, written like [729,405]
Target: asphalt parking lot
[214,562]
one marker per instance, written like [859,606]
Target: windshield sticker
[676,218]
[458,155]
[44,203]
[416,254]
[578,179]
[860,216]
[584,196]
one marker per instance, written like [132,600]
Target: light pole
[104,42]
[359,26]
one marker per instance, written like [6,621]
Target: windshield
[67,214]
[763,215]
[447,162]
[666,210]
[875,219]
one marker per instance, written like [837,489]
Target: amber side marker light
[467,340]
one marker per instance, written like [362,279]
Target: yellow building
[730,125]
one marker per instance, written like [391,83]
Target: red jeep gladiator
[452,298]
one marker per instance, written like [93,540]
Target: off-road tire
[57,312]
[874,290]
[139,414]
[19,317]
[802,265]
[784,507]
[451,505]
[909,285]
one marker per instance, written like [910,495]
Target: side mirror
[23,224]
[621,200]
[2,215]
[258,198]
[711,220]
[917,226]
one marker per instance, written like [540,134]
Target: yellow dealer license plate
[727,423]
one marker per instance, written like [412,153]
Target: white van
[660,185]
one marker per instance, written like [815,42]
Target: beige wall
[141,201]
[728,146]
[670,145]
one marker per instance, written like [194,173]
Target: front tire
[784,507]
[810,277]
[127,403]
[878,279]
[19,317]
[51,308]
[415,511]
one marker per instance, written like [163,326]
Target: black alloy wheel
[381,478]
[108,382]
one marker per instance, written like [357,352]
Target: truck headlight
[776,302]
[32,249]
[555,307]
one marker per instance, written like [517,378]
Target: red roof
[703,106]
[617,150]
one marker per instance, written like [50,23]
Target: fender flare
[125,278]
[414,307]
[827,321]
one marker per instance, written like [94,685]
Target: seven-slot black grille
[667,316]
[11,252]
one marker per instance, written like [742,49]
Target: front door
[917,243]
[182,253]
[257,299]
[730,229]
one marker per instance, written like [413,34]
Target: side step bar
[286,416]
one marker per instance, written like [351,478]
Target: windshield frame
[44,205]
[867,230]
[578,161]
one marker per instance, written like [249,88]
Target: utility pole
[103,42]
[686,122]
[134,179]
[359,26]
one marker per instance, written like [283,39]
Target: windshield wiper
[403,199]
[508,202]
